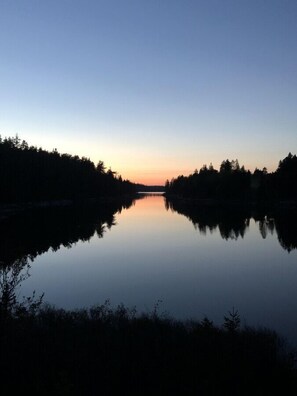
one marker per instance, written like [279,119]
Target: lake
[191,261]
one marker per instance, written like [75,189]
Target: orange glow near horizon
[158,178]
[147,180]
[152,167]
[186,165]
[154,178]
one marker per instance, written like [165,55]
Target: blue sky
[153,88]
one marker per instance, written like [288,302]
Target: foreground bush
[102,351]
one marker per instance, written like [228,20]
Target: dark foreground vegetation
[101,351]
[233,182]
[28,173]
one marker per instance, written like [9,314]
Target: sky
[154,89]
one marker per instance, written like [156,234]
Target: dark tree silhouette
[286,178]
[234,183]
[29,173]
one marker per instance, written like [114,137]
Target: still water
[197,261]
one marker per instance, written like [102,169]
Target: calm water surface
[197,267]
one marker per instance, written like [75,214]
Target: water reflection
[285,226]
[153,254]
[27,235]
[233,221]
[33,233]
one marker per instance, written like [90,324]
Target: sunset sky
[153,88]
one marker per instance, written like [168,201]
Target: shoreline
[11,209]
[212,202]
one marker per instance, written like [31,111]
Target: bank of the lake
[12,209]
[101,351]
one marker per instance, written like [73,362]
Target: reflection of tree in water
[266,226]
[233,222]
[283,222]
[229,230]
[27,235]
[33,233]
[285,225]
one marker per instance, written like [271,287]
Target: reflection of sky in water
[154,254]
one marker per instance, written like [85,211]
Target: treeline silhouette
[232,221]
[28,173]
[234,182]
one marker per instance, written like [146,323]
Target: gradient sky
[153,88]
